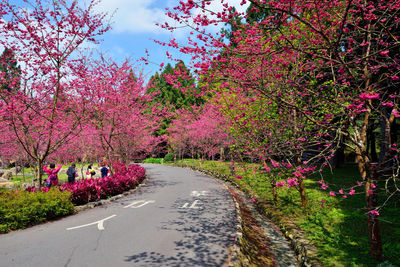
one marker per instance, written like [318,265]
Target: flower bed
[88,190]
[19,209]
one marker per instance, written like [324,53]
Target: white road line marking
[139,203]
[198,193]
[193,206]
[100,224]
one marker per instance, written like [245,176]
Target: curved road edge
[260,241]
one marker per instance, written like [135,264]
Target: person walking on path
[52,172]
[71,172]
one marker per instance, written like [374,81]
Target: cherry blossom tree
[47,110]
[200,130]
[120,115]
[333,65]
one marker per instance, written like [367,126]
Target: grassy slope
[338,230]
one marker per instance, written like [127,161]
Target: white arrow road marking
[193,206]
[198,193]
[138,204]
[100,224]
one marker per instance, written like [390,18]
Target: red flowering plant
[88,190]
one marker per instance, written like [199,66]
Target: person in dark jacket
[104,171]
[71,172]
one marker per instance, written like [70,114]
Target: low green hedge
[19,209]
[153,160]
[169,157]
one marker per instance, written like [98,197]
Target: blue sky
[134,30]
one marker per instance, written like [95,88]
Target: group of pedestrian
[52,171]
[104,171]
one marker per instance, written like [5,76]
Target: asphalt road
[179,218]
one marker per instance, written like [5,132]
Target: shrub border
[90,205]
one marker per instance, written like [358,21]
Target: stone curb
[235,255]
[100,202]
[306,253]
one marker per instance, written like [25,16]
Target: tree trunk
[375,241]
[274,194]
[23,172]
[39,166]
[232,169]
[373,223]
[302,192]
[384,145]
[371,144]
[394,132]
[32,166]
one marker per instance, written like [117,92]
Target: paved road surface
[179,218]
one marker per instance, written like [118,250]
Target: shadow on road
[208,230]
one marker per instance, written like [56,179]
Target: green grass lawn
[338,230]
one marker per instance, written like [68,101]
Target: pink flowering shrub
[83,191]
[88,190]
[119,167]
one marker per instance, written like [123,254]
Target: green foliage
[173,93]
[167,93]
[152,160]
[11,70]
[257,13]
[385,264]
[19,209]
[169,157]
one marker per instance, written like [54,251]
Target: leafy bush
[118,167]
[385,264]
[152,160]
[19,209]
[169,157]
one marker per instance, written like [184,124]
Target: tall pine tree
[10,72]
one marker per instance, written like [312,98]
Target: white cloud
[141,16]
[134,16]
[216,5]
